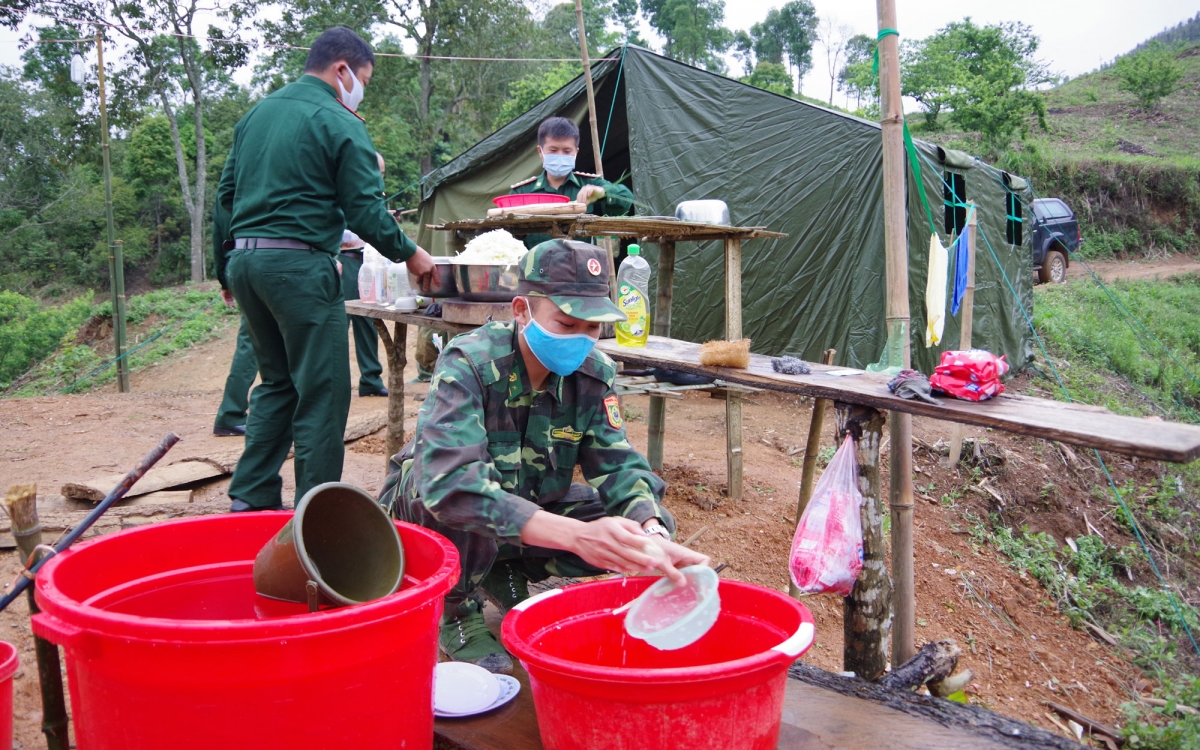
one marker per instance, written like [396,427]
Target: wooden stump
[867,611]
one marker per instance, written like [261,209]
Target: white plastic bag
[827,551]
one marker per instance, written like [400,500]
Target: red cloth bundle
[971,375]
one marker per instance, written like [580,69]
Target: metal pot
[703,212]
[443,287]
[486,283]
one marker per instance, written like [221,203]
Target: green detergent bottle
[633,286]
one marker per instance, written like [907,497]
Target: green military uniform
[242,371]
[366,339]
[301,170]
[489,451]
[617,200]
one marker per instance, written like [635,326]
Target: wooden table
[814,718]
[665,232]
[395,344]
[1075,424]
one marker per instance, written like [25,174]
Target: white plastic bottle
[633,286]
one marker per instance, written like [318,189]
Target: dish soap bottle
[633,285]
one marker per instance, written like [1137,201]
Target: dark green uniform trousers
[366,340]
[242,371]
[292,303]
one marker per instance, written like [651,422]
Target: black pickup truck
[1055,232]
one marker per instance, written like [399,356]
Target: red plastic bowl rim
[9,660]
[160,629]
[499,200]
[792,648]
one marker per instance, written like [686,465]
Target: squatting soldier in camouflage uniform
[512,410]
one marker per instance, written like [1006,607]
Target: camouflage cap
[574,276]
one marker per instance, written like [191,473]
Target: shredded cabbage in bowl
[494,248]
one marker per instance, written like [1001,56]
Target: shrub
[1150,75]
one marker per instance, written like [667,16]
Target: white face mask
[354,96]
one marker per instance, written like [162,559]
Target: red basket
[528,199]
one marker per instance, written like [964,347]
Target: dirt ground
[1021,649]
[1158,268]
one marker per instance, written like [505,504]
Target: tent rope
[613,104]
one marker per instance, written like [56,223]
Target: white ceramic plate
[460,688]
[509,687]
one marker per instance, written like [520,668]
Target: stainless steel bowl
[703,212]
[443,287]
[486,283]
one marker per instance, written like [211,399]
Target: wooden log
[1092,726]
[808,471]
[935,661]
[21,503]
[867,611]
[987,725]
[397,357]
[159,478]
[657,422]
[733,401]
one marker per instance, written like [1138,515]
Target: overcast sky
[1077,35]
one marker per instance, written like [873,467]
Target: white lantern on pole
[78,69]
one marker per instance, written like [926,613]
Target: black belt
[355,254]
[267,243]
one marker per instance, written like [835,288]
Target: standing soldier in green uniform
[558,145]
[302,169]
[512,410]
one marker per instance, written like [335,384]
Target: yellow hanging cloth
[935,291]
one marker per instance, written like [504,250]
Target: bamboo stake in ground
[812,449]
[898,352]
[968,322]
[867,611]
[21,504]
[657,422]
[397,359]
[733,401]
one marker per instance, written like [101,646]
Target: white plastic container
[366,284]
[669,617]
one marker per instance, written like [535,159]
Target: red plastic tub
[168,645]
[8,667]
[528,199]
[595,688]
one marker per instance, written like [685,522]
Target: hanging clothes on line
[962,256]
[935,291]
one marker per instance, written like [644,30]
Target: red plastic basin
[8,667]
[167,644]
[595,688]
[528,199]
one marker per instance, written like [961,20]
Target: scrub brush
[725,353]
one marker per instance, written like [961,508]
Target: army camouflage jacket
[489,451]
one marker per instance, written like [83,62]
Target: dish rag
[935,291]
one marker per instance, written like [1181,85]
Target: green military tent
[677,133]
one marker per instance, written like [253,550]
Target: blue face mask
[561,354]
[559,165]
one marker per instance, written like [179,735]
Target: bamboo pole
[866,613]
[21,503]
[812,448]
[968,322]
[733,401]
[898,319]
[657,428]
[117,265]
[591,91]
[118,306]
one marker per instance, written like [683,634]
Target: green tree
[1150,75]
[986,75]
[692,30]
[786,35]
[524,93]
[771,77]
[857,77]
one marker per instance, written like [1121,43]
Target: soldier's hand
[617,544]
[227,298]
[422,266]
[589,194]
[675,556]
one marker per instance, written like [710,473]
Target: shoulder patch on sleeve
[586,174]
[522,182]
[612,409]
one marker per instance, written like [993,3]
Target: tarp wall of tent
[812,173]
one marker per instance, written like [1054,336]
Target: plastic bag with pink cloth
[827,551]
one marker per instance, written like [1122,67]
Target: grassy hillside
[1132,177]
